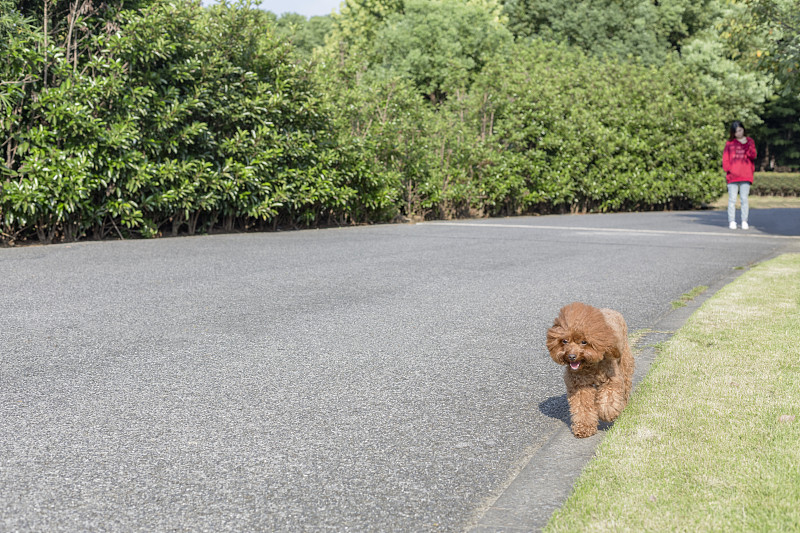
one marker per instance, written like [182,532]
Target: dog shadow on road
[557,407]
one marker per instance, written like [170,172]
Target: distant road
[382,378]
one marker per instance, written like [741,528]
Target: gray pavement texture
[380,378]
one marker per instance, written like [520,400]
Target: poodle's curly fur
[593,345]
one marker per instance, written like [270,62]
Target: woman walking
[738,162]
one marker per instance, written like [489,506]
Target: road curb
[545,482]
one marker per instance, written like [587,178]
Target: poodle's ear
[613,351]
[556,332]
[602,337]
[609,342]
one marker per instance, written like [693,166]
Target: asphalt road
[382,378]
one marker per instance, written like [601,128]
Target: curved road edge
[543,484]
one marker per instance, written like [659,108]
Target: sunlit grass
[689,296]
[760,202]
[709,441]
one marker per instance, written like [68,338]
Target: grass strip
[760,202]
[689,296]
[709,441]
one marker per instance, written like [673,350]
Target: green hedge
[776,184]
[187,119]
[543,129]
[192,120]
[601,135]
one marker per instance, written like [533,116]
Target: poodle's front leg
[611,399]
[583,410]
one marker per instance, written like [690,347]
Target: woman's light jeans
[743,189]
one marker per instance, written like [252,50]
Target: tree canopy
[440,45]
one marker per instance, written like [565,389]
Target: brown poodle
[593,344]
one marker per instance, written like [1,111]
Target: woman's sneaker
[732,225]
[745,225]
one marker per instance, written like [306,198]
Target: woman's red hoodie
[738,160]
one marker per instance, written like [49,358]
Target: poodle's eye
[564,341]
[583,343]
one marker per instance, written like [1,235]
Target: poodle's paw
[583,430]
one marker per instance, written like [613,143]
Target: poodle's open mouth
[575,366]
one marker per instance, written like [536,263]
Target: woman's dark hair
[734,126]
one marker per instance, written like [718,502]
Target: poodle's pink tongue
[574,366]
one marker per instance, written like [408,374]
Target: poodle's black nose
[572,357]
